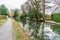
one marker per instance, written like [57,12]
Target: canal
[51,32]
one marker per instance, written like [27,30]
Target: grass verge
[2,21]
[16,31]
[56,17]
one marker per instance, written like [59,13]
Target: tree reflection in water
[34,29]
[56,29]
[35,25]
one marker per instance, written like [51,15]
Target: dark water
[51,32]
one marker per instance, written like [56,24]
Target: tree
[43,9]
[54,6]
[3,10]
[16,13]
[32,8]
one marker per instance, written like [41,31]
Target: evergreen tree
[3,10]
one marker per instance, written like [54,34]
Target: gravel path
[6,32]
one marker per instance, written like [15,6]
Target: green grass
[17,34]
[2,21]
[56,17]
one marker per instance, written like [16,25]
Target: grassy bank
[20,33]
[2,21]
[56,17]
[16,31]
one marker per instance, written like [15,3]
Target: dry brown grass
[20,33]
[2,21]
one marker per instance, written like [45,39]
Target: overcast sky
[12,4]
[53,5]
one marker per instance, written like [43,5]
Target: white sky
[12,4]
[53,5]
